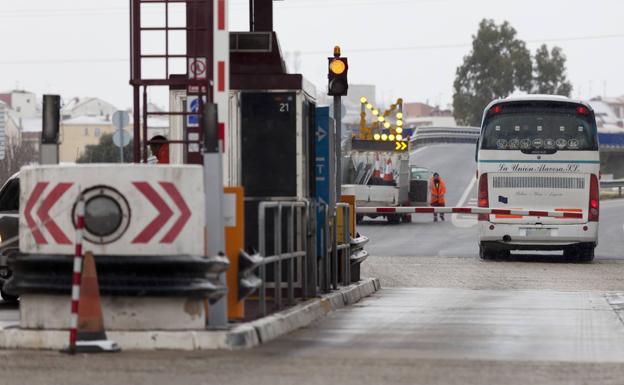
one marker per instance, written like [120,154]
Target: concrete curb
[241,336]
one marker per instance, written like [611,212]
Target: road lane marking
[465,222]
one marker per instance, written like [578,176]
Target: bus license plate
[538,232]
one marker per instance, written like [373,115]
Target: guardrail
[432,135]
[610,184]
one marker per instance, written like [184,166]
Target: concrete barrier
[242,336]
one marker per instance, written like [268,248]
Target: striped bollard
[76,276]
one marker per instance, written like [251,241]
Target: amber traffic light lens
[337,67]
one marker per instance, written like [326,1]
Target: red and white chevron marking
[467,210]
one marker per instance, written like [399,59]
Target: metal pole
[291,249]
[277,248]
[338,144]
[262,249]
[213,195]
[121,160]
[338,138]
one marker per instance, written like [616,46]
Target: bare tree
[17,154]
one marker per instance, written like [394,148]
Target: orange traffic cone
[388,175]
[377,169]
[91,336]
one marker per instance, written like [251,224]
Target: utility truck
[377,173]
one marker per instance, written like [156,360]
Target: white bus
[541,153]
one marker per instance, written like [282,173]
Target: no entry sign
[197,68]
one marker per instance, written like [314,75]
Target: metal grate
[538,182]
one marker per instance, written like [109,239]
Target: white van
[541,153]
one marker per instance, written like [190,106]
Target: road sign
[325,181]
[379,145]
[192,106]
[43,213]
[400,146]
[197,68]
[121,119]
[121,138]
[163,213]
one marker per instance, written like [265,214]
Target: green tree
[498,65]
[550,72]
[105,152]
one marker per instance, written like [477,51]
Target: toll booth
[270,144]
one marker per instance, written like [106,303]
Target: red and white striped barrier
[77,276]
[467,210]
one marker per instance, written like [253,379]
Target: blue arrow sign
[192,107]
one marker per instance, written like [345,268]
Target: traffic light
[338,69]
[248,282]
[51,119]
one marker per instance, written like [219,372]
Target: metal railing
[609,184]
[323,271]
[343,250]
[431,135]
[296,248]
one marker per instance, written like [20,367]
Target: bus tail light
[594,199]
[483,196]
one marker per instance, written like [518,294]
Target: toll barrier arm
[468,210]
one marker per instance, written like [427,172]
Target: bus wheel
[585,253]
[487,253]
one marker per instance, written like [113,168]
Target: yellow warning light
[381,119]
[400,115]
[337,66]
[399,123]
[393,107]
[337,51]
[391,138]
[399,130]
[399,137]
[376,136]
[387,125]
[400,101]
[363,100]
[375,112]
[369,106]
[384,137]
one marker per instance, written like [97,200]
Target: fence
[292,219]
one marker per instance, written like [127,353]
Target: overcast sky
[407,48]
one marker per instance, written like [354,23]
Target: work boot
[442,217]
[435,218]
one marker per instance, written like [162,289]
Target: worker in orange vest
[160,149]
[438,189]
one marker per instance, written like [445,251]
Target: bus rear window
[535,131]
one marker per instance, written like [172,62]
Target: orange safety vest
[437,192]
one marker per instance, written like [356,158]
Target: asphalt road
[442,317]
[458,235]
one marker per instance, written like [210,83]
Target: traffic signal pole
[337,86]
[338,118]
